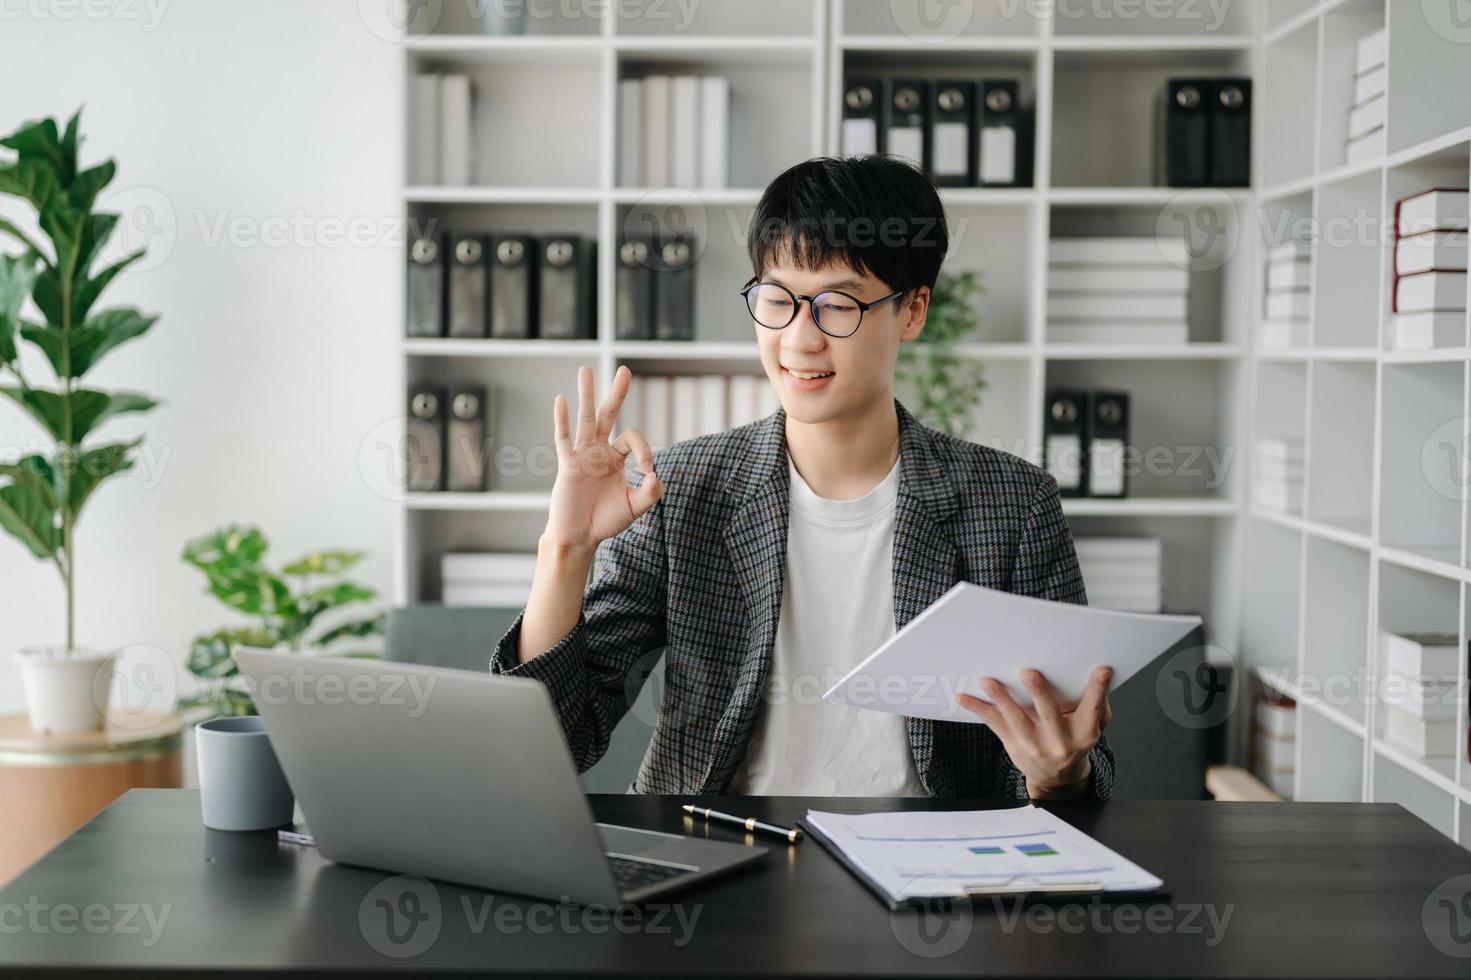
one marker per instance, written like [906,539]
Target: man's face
[853,372]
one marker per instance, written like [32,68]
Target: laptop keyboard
[631,874]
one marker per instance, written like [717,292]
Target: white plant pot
[67,691]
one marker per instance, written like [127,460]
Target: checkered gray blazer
[699,579]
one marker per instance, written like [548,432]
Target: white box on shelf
[1367,117]
[1373,51]
[684,407]
[1432,654]
[1423,697]
[1276,754]
[1440,209]
[1420,738]
[1425,292]
[656,130]
[1427,331]
[507,597]
[425,134]
[712,404]
[1162,335]
[487,566]
[1362,149]
[1289,251]
[685,135]
[744,398]
[715,131]
[770,400]
[1430,250]
[1284,334]
[1119,250]
[654,408]
[1295,274]
[1119,548]
[456,131]
[1289,304]
[1124,278]
[1371,83]
[1280,448]
[630,131]
[1276,720]
[1129,308]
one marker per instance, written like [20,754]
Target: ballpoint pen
[793,835]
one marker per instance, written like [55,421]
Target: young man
[770,559]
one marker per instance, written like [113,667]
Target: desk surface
[1256,890]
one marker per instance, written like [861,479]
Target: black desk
[1311,890]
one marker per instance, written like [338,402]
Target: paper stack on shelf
[1288,302]
[674,130]
[1420,693]
[1430,270]
[1367,114]
[443,130]
[1124,574]
[1279,472]
[486,579]
[672,408]
[1274,740]
[1118,290]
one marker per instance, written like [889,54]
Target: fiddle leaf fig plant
[42,494]
[283,608]
[949,385]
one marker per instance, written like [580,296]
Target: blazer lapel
[756,540]
[926,559]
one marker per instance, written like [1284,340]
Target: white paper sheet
[936,853]
[973,632]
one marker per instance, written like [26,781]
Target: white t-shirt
[837,606]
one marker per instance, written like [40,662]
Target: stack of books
[673,131]
[1421,693]
[1118,290]
[486,579]
[1274,740]
[1430,271]
[1367,115]
[1122,573]
[1279,472]
[442,130]
[669,409]
[1288,302]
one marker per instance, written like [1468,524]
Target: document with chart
[973,632]
[915,855]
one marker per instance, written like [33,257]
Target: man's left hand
[1048,745]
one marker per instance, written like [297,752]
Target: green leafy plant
[949,385]
[42,494]
[284,613]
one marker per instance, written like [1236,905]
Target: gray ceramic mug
[241,786]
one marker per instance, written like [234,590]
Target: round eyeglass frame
[798,300]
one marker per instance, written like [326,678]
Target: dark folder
[1185,132]
[633,317]
[512,286]
[424,439]
[469,277]
[426,288]
[999,134]
[1065,440]
[1108,441]
[953,142]
[464,445]
[860,133]
[674,292]
[566,284]
[904,128]
[1230,137]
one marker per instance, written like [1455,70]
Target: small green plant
[284,613]
[949,385]
[42,493]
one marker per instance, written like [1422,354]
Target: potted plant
[949,385]
[42,494]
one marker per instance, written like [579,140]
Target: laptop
[459,776]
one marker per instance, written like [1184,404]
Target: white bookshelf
[1091,82]
[1381,542]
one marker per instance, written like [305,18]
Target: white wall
[274,360]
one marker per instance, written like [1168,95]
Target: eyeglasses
[836,313]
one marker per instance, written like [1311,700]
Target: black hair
[877,214]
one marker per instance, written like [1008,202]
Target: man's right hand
[591,500]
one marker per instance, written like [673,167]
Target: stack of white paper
[1430,259]
[1288,296]
[1274,743]
[674,130]
[1420,693]
[442,131]
[672,408]
[1366,117]
[1279,475]
[1124,290]
[486,579]
[1122,573]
